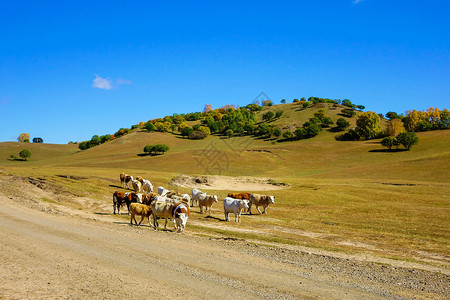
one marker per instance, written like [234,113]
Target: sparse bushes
[278,114]
[186,131]
[406,139]
[267,103]
[149,126]
[288,135]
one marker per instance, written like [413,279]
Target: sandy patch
[215,182]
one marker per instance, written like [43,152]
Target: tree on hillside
[278,114]
[186,131]
[24,137]
[288,135]
[229,133]
[407,139]
[368,125]
[388,142]
[267,103]
[342,124]
[159,148]
[283,101]
[394,127]
[149,126]
[25,154]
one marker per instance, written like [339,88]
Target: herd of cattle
[166,204]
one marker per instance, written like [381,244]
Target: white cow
[147,186]
[231,205]
[185,198]
[195,193]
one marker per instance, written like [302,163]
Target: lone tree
[268,115]
[342,124]
[38,140]
[25,154]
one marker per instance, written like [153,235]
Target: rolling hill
[340,196]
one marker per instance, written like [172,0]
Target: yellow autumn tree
[24,137]
[394,127]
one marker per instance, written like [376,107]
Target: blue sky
[72,69]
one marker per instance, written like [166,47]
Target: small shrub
[197,135]
[388,142]
[348,112]
[278,114]
[288,134]
[268,116]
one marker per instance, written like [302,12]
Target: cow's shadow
[214,218]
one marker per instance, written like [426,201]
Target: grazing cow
[231,205]
[260,200]
[137,186]
[162,191]
[195,193]
[139,178]
[162,209]
[180,215]
[141,210]
[121,198]
[206,201]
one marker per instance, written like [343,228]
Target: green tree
[368,125]
[149,149]
[300,133]
[277,132]
[278,114]
[83,145]
[229,133]
[326,122]
[186,131]
[388,142]
[342,124]
[283,101]
[149,126]
[306,104]
[25,154]
[407,139]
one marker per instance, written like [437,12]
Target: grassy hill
[346,196]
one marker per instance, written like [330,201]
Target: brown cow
[245,196]
[141,210]
[121,198]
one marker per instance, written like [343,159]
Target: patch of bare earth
[215,182]
[52,249]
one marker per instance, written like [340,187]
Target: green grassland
[342,196]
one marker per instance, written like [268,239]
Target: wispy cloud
[357,1]
[123,81]
[102,83]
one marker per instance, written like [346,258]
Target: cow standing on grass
[260,200]
[231,205]
[206,201]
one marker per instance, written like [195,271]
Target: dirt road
[45,255]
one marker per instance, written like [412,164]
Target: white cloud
[102,83]
[357,1]
[123,81]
